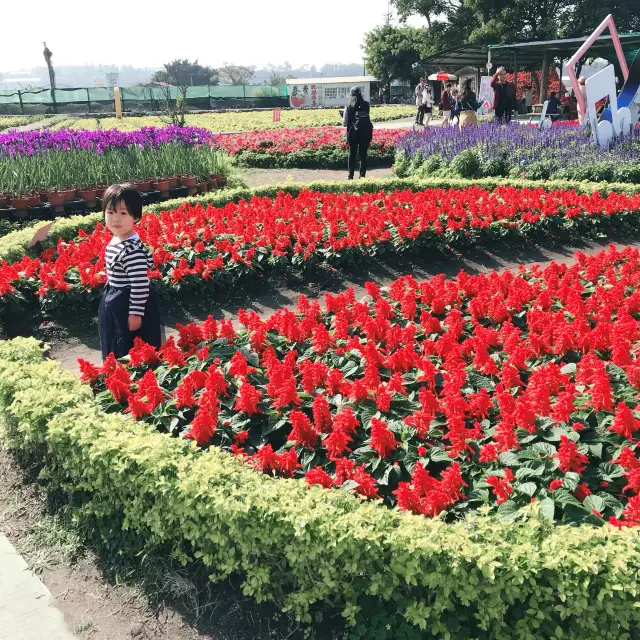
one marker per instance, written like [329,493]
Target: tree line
[391,50]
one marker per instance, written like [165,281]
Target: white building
[326,92]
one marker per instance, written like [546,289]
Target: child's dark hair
[127,194]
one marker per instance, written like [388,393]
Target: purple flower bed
[29,143]
[563,148]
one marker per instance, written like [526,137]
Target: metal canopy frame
[524,54]
[451,60]
[530,53]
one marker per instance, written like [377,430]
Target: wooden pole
[117,102]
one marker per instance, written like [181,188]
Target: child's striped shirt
[128,262]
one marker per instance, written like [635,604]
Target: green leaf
[480,382]
[571,481]
[507,510]
[544,449]
[609,472]
[272,425]
[528,488]
[548,508]
[527,472]
[509,459]
[596,449]
[594,502]
[562,496]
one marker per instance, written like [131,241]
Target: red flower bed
[525,80]
[449,395]
[284,141]
[198,246]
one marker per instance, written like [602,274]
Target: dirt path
[45,123]
[258,177]
[105,597]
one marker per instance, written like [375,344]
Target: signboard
[314,95]
[485,95]
[112,79]
[40,234]
[299,96]
[276,114]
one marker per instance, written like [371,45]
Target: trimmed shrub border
[14,245]
[308,159]
[315,549]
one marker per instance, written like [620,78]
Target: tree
[586,15]
[235,74]
[186,73]
[278,74]
[430,10]
[391,51]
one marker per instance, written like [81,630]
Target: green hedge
[390,574]
[309,159]
[14,245]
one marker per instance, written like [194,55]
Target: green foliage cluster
[470,164]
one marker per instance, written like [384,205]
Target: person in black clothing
[359,131]
[504,96]
[553,106]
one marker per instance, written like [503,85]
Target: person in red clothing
[445,105]
[504,95]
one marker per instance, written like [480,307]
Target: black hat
[355,91]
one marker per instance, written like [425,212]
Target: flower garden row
[321,147]
[199,246]
[562,152]
[36,162]
[443,396]
[230,121]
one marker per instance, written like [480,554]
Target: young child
[128,307]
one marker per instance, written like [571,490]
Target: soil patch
[259,177]
[106,597]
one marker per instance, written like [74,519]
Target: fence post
[88,101]
[117,102]
[21,105]
[244,93]
[209,94]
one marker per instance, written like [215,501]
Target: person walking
[467,105]
[504,95]
[528,100]
[455,112]
[359,131]
[427,103]
[418,96]
[582,111]
[445,105]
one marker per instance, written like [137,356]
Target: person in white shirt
[418,95]
[528,99]
[427,103]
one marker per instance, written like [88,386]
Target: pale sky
[213,31]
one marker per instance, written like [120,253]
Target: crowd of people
[457,107]
[460,107]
